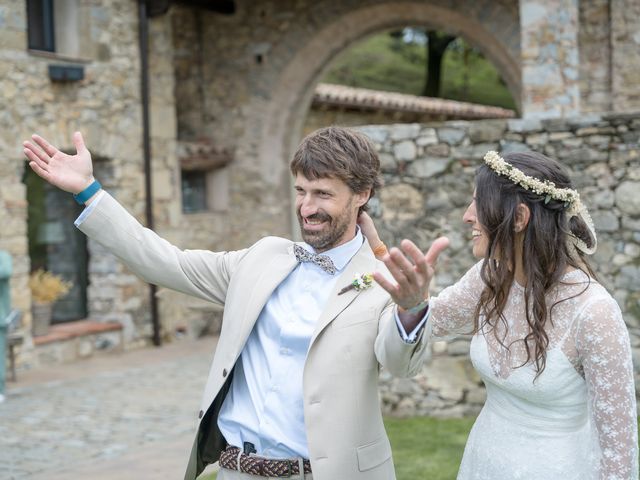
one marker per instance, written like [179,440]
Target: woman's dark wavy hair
[545,252]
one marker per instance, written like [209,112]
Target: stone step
[70,341]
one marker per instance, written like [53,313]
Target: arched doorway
[493,27]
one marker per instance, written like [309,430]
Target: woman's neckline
[569,273]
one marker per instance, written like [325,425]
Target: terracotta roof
[365,99]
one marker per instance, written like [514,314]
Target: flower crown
[546,188]
[549,191]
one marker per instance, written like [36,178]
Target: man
[292,390]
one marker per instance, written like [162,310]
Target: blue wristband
[87,193]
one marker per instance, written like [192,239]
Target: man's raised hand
[71,173]
[412,270]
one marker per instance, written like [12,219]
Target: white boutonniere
[360,282]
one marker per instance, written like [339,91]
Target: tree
[436,44]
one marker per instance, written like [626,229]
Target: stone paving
[100,410]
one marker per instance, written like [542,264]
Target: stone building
[229,88]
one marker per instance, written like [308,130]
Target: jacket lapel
[362,262]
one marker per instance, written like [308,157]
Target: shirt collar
[342,254]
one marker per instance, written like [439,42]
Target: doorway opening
[56,245]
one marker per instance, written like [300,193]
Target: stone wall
[550,60]
[105,105]
[625,60]
[609,62]
[595,56]
[428,172]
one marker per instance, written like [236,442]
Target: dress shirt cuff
[88,209]
[412,336]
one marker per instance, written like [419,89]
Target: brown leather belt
[261,466]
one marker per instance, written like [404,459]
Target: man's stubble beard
[329,237]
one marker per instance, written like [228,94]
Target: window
[40,21]
[205,180]
[54,26]
[194,191]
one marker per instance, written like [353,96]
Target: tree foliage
[398,61]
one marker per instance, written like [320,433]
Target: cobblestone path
[102,411]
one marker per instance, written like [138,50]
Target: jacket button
[224,372]
[200,414]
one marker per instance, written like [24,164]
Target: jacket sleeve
[400,358]
[199,273]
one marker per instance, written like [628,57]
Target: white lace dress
[578,419]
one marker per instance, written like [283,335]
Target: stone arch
[493,27]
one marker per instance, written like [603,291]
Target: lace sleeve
[452,310]
[602,341]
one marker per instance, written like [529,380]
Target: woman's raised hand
[71,173]
[371,233]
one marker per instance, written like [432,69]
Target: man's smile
[314,224]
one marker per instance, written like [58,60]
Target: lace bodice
[586,332]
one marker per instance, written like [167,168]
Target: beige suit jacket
[354,336]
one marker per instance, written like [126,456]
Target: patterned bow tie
[323,261]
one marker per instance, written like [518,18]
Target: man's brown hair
[341,153]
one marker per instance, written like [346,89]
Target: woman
[548,340]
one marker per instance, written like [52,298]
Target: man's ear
[363,197]
[523,215]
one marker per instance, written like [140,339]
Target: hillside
[383,62]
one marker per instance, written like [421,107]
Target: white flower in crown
[545,188]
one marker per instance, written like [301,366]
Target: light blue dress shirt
[264,405]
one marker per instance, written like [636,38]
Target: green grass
[427,448]
[381,62]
